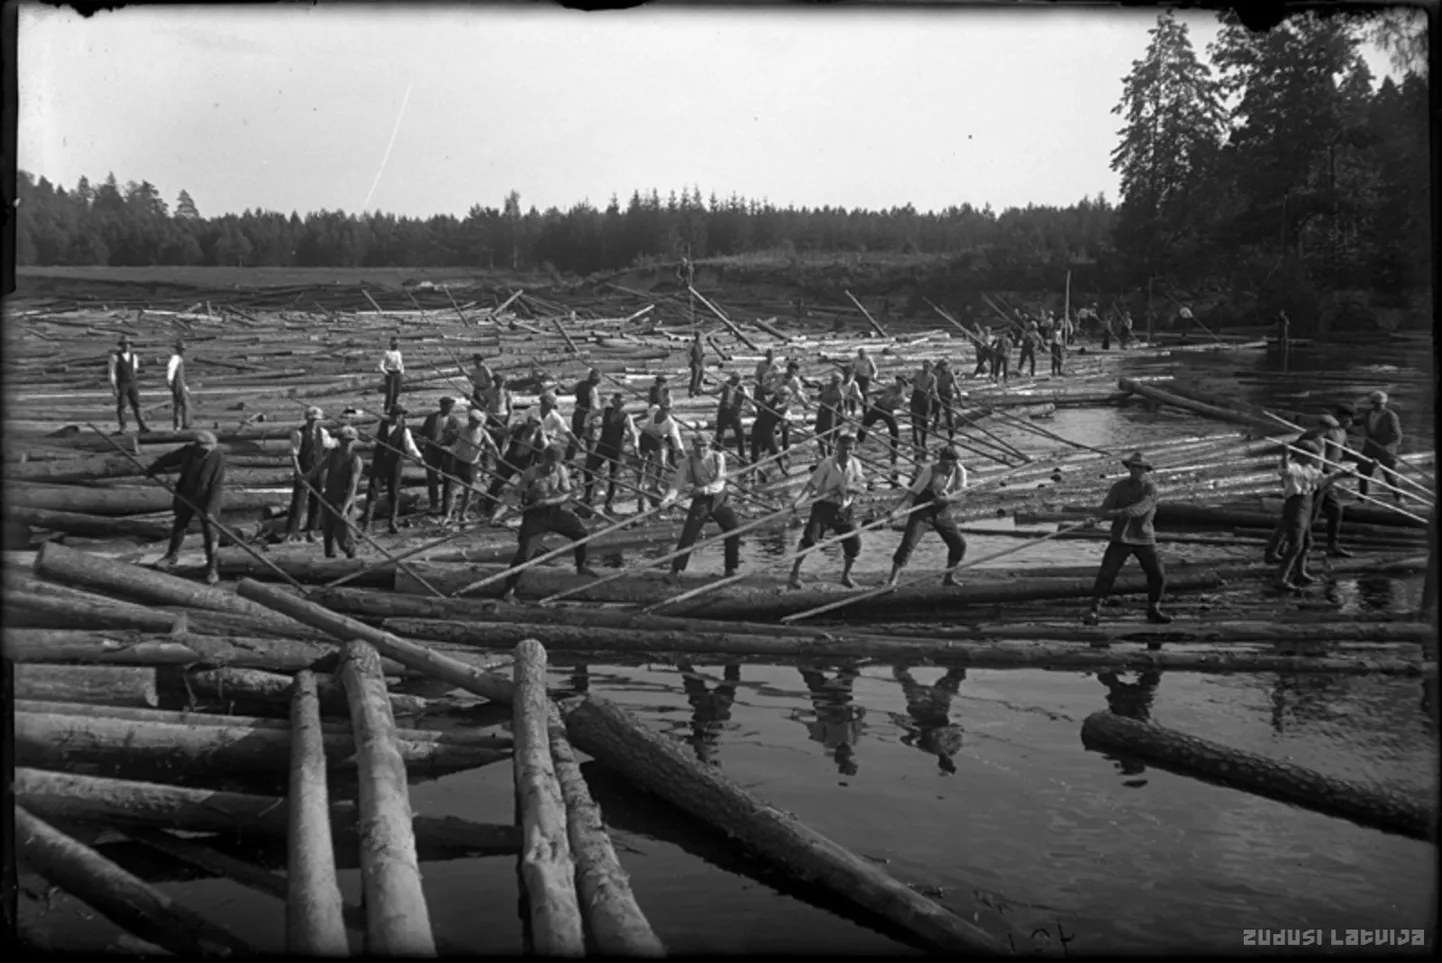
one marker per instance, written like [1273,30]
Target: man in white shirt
[179,393]
[469,445]
[308,446]
[704,473]
[836,481]
[392,439]
[938,486]
[393,367]
[553,423]
[124,381]
[660,438]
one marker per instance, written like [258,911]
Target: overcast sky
[294,107]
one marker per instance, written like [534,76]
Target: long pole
[1366,498]
[1398,475]
[1066,301]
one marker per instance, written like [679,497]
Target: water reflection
[928,707]
[580,682]
[1133,700]
[1377,592]
[710,708]
[838,720]
[1307,697]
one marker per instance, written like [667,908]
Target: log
[53,611]
[51,741]
[613,919]
[620,742]
[548,874]
[397,920]
[91,526]
[418,657]
[74,469]
[90,684]
[96,799]
[230,684]
[1186,515]
[1196,407]
[310,571]
[1288,782]
[122,898]
[127,501]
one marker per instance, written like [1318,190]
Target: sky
[423,110]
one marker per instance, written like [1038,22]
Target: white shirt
[939,484]
[172,368]
[1300,479]
[391,361]
[706,474]
[472,441]
[864,367]
[553,424]
[667,430]
[832,483]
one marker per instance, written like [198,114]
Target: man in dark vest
[338,477]
[392,439]
[616,427]
[583,419]
[728,414]
[308,445]
[124,381]
[433,429]
[697,360]
[525,440]
[199,491]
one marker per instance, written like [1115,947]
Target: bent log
[97,799]
[1276,779]
[620,742]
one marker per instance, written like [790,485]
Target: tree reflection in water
[710,708]
[838,724]
[928,724]
[1133,700]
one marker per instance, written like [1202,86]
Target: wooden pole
[620,742]
[731,325]
[125,900]
[313,922]
[867,314]
[1381,484]
[1066,302]
[561,328]
[547,872]
[397,920]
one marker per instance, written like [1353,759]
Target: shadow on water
[1133,700]
[710,708]
[927,725]
[835,721]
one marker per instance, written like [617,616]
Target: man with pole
[939,486]
[865,372]
[1332,435]
[525,440]
[703,471]
[1131,504]
[433,429]
[201,488]
[179,393]
[616,427]
[882,408]
[392,438]
[481,379]
[728,414]
[696,358]
[308,446]
[923,400]
[945,407]
[583,418]
[545,489]
[124,377]
[393,367]
[468,446]
[836,481]
[1302,480]
[341,469]
[1383,437]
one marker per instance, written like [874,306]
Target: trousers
[535,525]
[1116,556]
[706,508]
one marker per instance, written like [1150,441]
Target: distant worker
[882,408]
[983,351]
[850,391]
[496,401]
[728,414]
[659,392]
[937,486]
[923,400]
[583,417]
[836,481]
[433,429]
[1185,317]
[481,378]
[703,473]
[766,372]
[660,448]
[1131,504]
[1001,356]
[945,408]
[616,427]
[696,358]
[545,489]
[795,387]
[393,367]
[1058,350]
[1383,438]
[338,476]
[125,383]
[467,448]
[199,491]
[1125,336]
[393,439]
[179,393]
[828,416]
[1030,341]
[308,446]
[865,371]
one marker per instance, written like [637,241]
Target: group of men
[123,369]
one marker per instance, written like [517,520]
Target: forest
[1273,169]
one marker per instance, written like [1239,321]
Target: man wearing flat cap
[308,445]
[198,493]
[938,486]
[1383,438]
[393,439]
[836,481]
[1131,505]
[125,381]
[338,475]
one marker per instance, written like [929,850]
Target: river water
[973,785]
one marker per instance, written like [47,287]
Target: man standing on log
[767,372]
[1058,350]
[199,491]
[496,401]
[1383,438]
[728,414]
[923,400]
[124,381]
[392,439]
[338,475]
[704,472]
[1001,356]
[1332,436]
[696,358]
[1302,481]
[545,489]
[179,393]
[433,429]
[828,416]
[883,409]
[308,446]
[1132,506]
[660,449]
[481,380]
[865,371]
[469,446]
[583,418]
[938,486]
[1030,339]
[553,424]
[616,427]
[945,409]
[393,367]
[525,440]
[795,389]
[983,351]
[836,481]
[659,392]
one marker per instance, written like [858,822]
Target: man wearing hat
[616,427]
[728,413]
[393,367]
[1132,506]
[1030,341]
[469,446]
[769,415]
[882,408]
[308,446]
[338,476]
[703,472]
[434,453]
[836,481]
[545,489]
[1331,435]
[393,438]
[938,486]
[660,448]
[865,371]
[1383,437]
[179,393]
[124,381]
[1302,480]
[198,492]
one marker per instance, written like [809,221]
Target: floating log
[548,874]
[92,684]
[97,799]
[1196,407]
[231,684]
[1179,515]
[122,898]
[127,501]
[92,526]
[620,742]
[397,920]
[1288,782]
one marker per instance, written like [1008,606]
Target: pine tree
[185,207]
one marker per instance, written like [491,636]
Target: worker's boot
[172,554]
[1337,551]
[795,580]
[212,562]
[950,579]
[846,563]
[1093,614]
[895,574]
[1155,614]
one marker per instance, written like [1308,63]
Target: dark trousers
[435,459]
[825,423]
[1378,458]
[945,411]
[706,508]
[335,528]
[179,408]
[602,459]
[938,518]
[1001,365]
[1056,359]
[730,420]
[872,416]
[465,475]
[1115,557]
[1028,355]
[864,383]
[535,525]
[983,361]
[516,461]
[393,390]
[763,436]
[302,499]
[183,515]
[920,419]
[694,387]
[126,391]
[1297,515]
[830,517]
[387,477]
[1107,339]
[584,430]
[1328,506]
